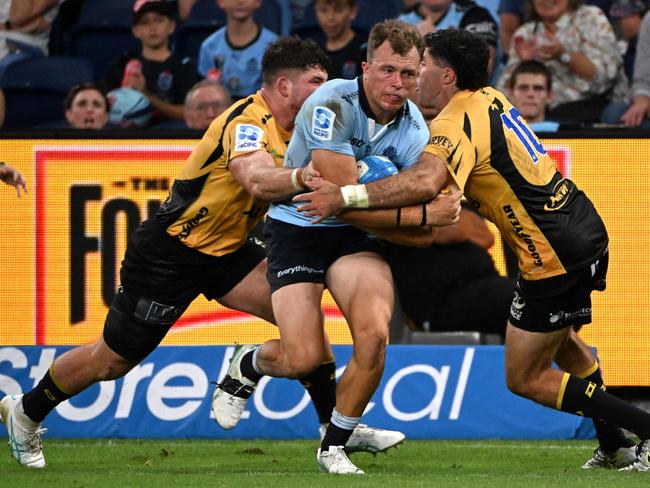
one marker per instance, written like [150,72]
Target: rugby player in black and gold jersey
[560,240]
[197,243]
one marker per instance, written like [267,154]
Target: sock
[582,397]
[43,398]
[609,436]
[339,430]
[321,386]
[248,368]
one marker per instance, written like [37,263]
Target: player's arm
[258,174]
[419,183]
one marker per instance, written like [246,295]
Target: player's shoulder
[412,116]
[337,89]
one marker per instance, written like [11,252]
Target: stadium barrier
[427,392]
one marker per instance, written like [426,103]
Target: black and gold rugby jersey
[206,208]
[496,158]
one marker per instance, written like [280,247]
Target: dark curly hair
[291,53]
[466,53]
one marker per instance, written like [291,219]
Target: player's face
[390,78]
[334,18]
[430,83]
[154,30]
[207,104]
[88,110]
[530,96]
[304,83]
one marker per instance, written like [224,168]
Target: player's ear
[283,85]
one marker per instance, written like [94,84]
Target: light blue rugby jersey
[337,117]
[241,68]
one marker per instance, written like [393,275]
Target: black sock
[335,436]
[584,397]
[321,386]
[609,436]
[247,368]
[43,398]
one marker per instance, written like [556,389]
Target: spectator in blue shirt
[235,51]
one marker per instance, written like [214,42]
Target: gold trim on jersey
[207,209]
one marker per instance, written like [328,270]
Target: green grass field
[205,463]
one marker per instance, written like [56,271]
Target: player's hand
[310,176]
[12,177]
[325,201]
[444,209]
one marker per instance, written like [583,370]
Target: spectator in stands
[578,45]
[530,90]
[432,15]
[12,177]
[25,28]
[626,16]
[511,16]
[235,50]
[205,102]
[184,9]
[86,107]
[155,71]
[453,284]
[345,46]
[638,112]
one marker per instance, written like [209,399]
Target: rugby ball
[129,108]
[373,168]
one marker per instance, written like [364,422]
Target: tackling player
[559,238]
[197,243]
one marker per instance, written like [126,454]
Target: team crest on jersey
[322,124]
[248,138]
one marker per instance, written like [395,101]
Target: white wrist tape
[355,196]
[294,180]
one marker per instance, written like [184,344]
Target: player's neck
[283,114]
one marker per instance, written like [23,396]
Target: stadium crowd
[146,55]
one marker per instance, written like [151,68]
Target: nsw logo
[248,138]
[322,123]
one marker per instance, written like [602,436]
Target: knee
[302,363]
[520,384]
[109,365]
[370,345]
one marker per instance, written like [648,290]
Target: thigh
[297,308]
[530,353]
[362,286]
[252,294]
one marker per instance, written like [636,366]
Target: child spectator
[236,49]
[345,47]
[155,71]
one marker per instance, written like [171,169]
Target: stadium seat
[369,13]
[35,88]
[106,12]
[190,35]
[100,44]
[275,15]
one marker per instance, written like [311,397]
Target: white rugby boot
[335,461]
[622,457]
[230,396]
[370,439]
[24,439]
[642,462]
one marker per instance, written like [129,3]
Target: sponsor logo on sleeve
[248,138]
[322,123]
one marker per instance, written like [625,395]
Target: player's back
[207,208]
[497,159]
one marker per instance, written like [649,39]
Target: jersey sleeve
[245,134]
[326,122]
[448,142]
